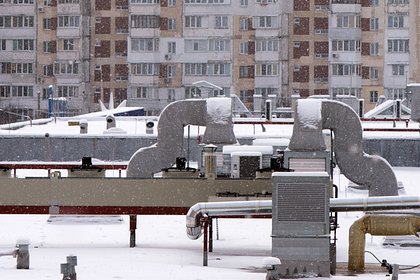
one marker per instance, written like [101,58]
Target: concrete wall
[398,152]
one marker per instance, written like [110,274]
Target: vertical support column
[205,240]
[133,226]
[210,235]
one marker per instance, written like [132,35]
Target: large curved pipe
[214,113]
[312,116]
[377,225]
[264,207]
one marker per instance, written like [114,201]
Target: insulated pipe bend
[214,113]
[361,168]
[314,115]
[385,225]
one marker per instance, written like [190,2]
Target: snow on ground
[164,251]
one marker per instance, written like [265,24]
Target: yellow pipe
[377,225]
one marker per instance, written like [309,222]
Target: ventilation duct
[311,116]
[214,113]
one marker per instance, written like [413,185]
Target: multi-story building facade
[108,44]
[240,47]
[153,52]
[308,68]
[43,43]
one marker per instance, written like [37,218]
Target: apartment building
[309,47]
[43,43]
[228,47]
[108,44]
[373,48]
[153,52]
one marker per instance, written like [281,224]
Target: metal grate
[301,203]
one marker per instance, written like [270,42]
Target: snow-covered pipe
[384,225]
[214,113]
[264,207]
[313,115]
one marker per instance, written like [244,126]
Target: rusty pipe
[377,225]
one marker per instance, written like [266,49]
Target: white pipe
[264,207]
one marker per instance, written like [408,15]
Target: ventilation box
[300,229]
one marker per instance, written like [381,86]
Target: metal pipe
[264,207]
[377,225]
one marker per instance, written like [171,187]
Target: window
[23,45]
[66,68]
[395,21]
[48,70]
[246,96]
[398,2]
[46,46]
[171,3]
[171,47]
[374,73]
[346,70]
[373,3]
[244,3]
[398,46]
[144,92]
[193,21]
[68,44]
[346,45]
[395,93]
[243,48]
[373,96]
[348,21]
[221,22]
[68,21]
[204,1]
[374,24]
[192,92]
[2,44]
[171,94]
[200,69]
[265,22]
[47,23]
[22,91]
[23,1]
[171,71]
[264,92]
[266,69]
[398,70]
[145,69]
[246,71]
[374,49]
[145,45]
[144,1]
[196,45]
[68,1]
[219,45]
[267,45]
[243,23]
[4,91]
[68,91]
[145,21]
[16,21]
[16,68]
[347,91]
[171,24]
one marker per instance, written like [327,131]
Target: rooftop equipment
[214,113]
